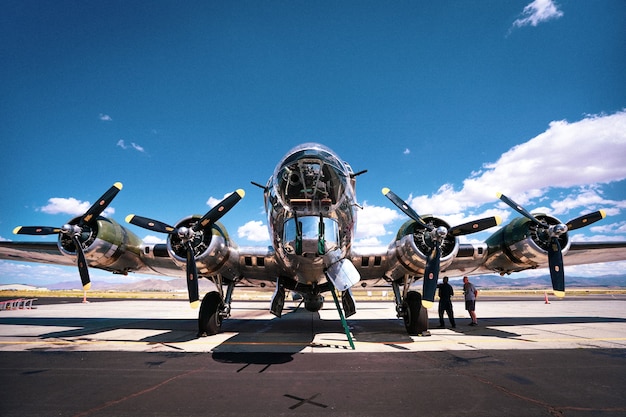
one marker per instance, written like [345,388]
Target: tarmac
[142,358]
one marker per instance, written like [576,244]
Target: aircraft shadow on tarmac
[295,331]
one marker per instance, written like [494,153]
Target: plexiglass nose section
[311,174]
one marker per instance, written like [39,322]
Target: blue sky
[444,102]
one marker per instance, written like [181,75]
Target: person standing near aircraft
[470,300]
[445,302]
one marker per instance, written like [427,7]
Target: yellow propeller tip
[498,220]
[87,286]
[559,294]
[386,191]
[427,304]
[603,213]
[241,192]
[194,304]
[498,195]
[129,218]
[118,185]
[17,230]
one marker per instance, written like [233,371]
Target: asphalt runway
[141,358]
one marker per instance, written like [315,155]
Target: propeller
[75,231]
[437,236]
[187,234]
[553,232]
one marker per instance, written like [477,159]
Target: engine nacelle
[521,245]
[107,245]
[211,246]
[413,244]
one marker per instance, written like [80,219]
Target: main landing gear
[411,310]
[213,310]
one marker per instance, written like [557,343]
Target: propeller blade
[475,226]
[220,210]
[149,224]
[586,220]
[192,277]
[557,274]
[406,209]
[99,206]
[82,264]
[36,230]
[431,276]
[519,209]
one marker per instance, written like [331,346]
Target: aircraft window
[310,230]
[305,177]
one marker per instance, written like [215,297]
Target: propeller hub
[185,233]
[71,229]
[559,229]
[441,232]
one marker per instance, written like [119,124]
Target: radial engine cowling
[521,245]
[107,245]
[413,244]
[210,245]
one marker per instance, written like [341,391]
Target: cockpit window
[311,234]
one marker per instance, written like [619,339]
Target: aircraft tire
[415,316]
[209,319]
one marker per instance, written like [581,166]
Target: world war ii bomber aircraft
[311,206]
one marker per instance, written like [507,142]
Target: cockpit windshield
[310,234]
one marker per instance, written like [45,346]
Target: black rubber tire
[415,316]
[209,319]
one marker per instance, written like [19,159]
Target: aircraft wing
[42,252]
[475,259]
[404,257]
[592,252]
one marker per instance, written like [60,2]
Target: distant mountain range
[482,281]
[498,282]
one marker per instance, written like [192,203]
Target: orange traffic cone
[546,297]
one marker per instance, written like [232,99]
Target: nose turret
[310,176]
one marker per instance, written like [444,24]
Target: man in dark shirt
[445,302]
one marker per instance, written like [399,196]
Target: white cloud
[212,201]
[2,239]
[538,11]
[371,221]
[70,206]
[151,239]
[254,231]
[105,117]
[406,151]
[579,237]
[122,144]
[586,153]
[590,199]
[619,227]
[370,242]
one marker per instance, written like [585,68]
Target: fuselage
[310,203]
